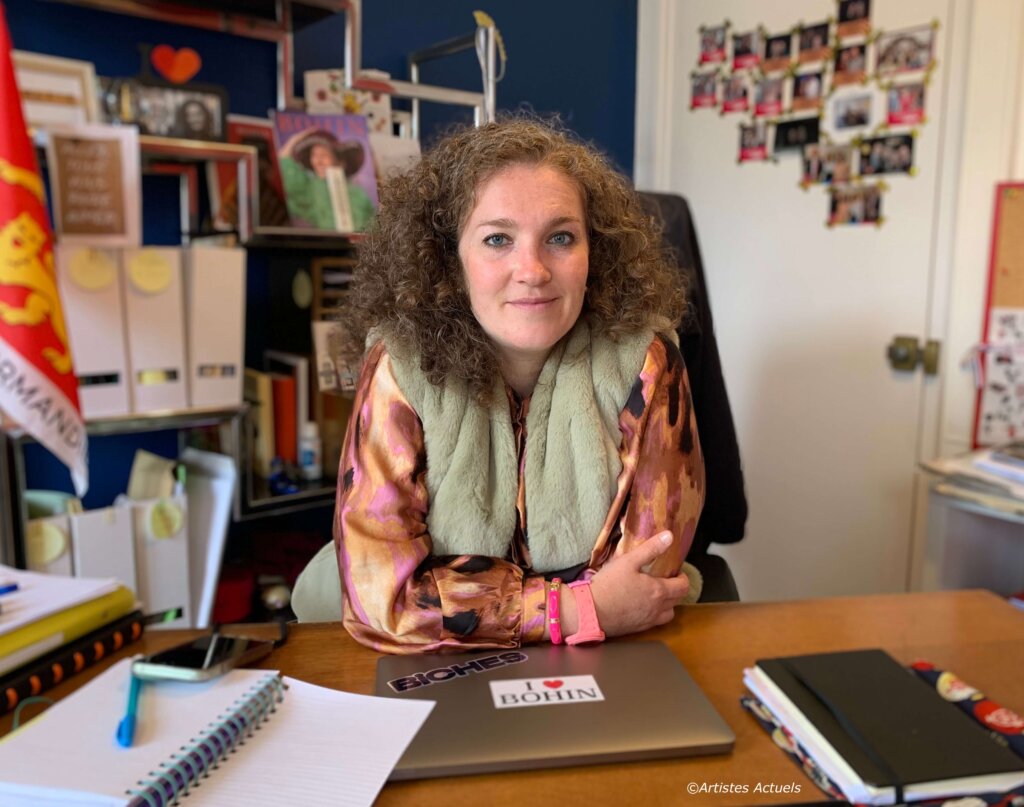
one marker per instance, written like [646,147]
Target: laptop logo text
[512,693]
[441,674]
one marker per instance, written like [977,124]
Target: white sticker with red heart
[516,692]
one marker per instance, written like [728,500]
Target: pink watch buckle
[589,627]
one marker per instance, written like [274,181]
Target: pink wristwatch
[554,601]
[588,629]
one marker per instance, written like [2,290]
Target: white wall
[982,144]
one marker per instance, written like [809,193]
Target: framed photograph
[95,182]
[905,104]
[905,51]
[814,45]
[712,44]
[855,204]
[190,111]
[778,53]
[851,65]
[892,154]
[54,90]
[736,96]
[704,91]
[768,97]
[746,50]
[754,142]
[823,164]
[793,135]
[852,111]
[854,18]
[807,91]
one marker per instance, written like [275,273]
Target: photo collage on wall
[842,97]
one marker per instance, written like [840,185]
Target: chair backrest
[724,518]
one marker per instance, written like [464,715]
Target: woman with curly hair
[523,418]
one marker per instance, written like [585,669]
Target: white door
[829,433]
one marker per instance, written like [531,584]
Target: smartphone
[201,659]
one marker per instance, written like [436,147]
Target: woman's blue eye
[497,240]
[562,239]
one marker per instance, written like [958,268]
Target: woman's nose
[531,268]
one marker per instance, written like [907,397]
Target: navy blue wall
[574,58]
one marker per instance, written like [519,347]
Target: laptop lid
[550,707]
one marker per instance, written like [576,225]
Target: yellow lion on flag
[24,263]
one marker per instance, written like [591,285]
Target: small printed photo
[852,111]
[736,97]
[704,91]
[793,135]
[893,154]
[807,89]
[814,45]
[753,142]
[906,50]
[712,45]
[746,50]
[824,164]
[778,52]
[905,104]
[768,97]
[855,204]
[854,18]
[851,65]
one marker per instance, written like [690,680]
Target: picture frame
[814,43]
[854,18]
[96,183]
[713,43]
[778,52]
[162,109]
[793,135]
[703,90]
[855,205]
[55,90]
[905,51]
[888,154]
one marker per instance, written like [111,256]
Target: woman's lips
[532,305]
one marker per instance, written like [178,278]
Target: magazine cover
[308,147]
[222,177]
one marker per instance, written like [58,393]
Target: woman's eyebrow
[511,225]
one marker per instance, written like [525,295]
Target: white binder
[103,544]
[162,557]
[90,289]
[155,317]
[215,315]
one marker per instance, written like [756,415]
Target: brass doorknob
[905,354]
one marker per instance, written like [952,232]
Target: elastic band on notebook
[851,730]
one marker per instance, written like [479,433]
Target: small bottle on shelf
[309,452]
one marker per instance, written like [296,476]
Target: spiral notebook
[250,737]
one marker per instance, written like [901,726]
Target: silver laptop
[551,707]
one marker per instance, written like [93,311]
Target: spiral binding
[205,751]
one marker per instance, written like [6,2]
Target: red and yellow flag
[38,388]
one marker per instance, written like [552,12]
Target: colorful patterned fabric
[1006,727]
[400,598]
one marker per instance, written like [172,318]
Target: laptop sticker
[512,693]
[441,674]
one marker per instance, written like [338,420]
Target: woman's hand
[629,600]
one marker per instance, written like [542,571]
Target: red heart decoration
[553,684]
[177,66]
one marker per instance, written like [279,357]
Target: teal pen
[126,728]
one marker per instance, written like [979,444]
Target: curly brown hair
[409,280]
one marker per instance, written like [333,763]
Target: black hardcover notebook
[891,729]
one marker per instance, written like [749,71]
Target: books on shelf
[289,742]
[47,671]
[289,375]
[876,732]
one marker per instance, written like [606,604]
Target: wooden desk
[973,633]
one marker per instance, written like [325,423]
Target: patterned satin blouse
[401,598]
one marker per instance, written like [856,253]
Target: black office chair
[724,518]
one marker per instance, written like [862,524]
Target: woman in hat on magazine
[305,159]
[522,439]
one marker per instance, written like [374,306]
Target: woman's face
[525,255]
[320,159]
